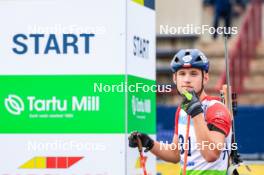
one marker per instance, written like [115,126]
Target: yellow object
[187,95]
[35,162]
[138,162]
[29,164]
[165,168]
[40,162]
[141,2]
[256,169]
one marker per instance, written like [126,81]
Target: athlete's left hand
[193,107]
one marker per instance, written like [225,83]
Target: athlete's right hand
[192,106]
[146,141]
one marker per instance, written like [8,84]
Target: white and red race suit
[217,117]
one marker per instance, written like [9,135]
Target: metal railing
[244,48]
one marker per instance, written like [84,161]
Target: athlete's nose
[187,79]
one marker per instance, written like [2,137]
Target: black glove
[147,142]
[193,107]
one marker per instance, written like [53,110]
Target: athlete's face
[190,78]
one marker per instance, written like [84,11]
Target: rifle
[230,100]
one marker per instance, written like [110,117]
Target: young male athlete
[209,140]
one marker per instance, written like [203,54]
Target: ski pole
[189,97]
[142,159]
[186,145]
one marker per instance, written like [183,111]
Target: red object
[142,159]
[218,115]
[186,146]
[143,163]
[73,160]
[177,114]
[62,162]
[51,162]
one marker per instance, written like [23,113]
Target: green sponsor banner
[76,104]
[62,104]
[142,105]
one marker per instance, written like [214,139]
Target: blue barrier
[249,123]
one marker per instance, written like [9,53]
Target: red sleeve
[219,116]
[177,114]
